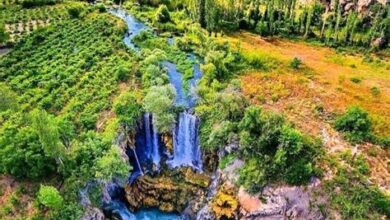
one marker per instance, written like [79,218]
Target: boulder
[93,214]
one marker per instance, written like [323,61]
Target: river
[149,146]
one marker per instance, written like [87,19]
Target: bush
[226,160]
[262,29]
[295,63]
[274,151]
[122,73]
[74,12]
[127,108]
[355,123]
[101,8]
[50,197]
[356,80]
[21,153]
[375,91]
[162,14]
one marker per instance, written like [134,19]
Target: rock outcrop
[93,214]
[169,193]
[281,202]
[274,202]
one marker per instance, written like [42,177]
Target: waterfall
[148,142]
[186,142]
[156,147]
[152,139]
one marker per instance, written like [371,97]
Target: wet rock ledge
[169,192]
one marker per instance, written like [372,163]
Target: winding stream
[149,146]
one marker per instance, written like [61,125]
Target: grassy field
[325,84]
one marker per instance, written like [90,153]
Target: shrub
[262,29]
[74,12]
[295,63]
[355,123]
[356,80]
[375,91]
[127,108]
[122,73]
[162,14]
[274,151]
[50,197]
[101,8]
[111,165]
[21,153]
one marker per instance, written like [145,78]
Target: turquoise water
[187,139]
[154,214]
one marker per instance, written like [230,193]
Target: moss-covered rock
[170,193]
[225,203]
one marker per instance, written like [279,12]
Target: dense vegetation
[55,86]
[331,23]
[67,90]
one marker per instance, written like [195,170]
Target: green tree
[160,100]
[162,14]
[111,164]
[49,197]
[212,16]
[355,123]
[74,12]
[122,73]
[127,108]
[21,153]
[48,132]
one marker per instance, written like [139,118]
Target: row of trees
[280,17]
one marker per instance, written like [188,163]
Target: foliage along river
[149,147]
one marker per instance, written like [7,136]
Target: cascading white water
[156,147]
[152,145]
[186,150]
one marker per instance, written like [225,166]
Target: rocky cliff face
[274,202]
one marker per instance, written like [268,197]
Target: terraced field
[20,21]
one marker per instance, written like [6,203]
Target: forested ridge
[194,109]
